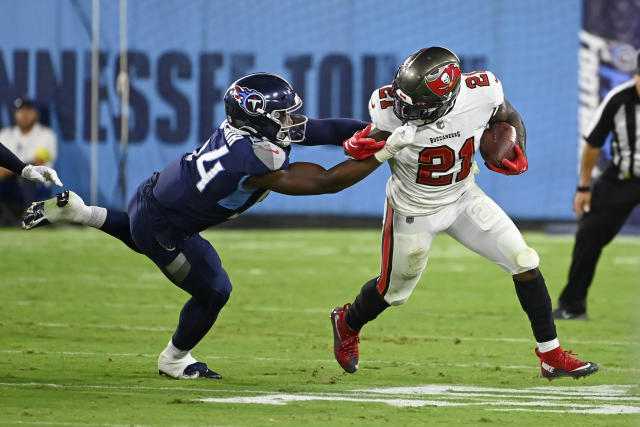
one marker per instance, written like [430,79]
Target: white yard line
[5,422]
[288,360]
[605,399]
[298,334]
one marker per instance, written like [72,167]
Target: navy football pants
[192,264]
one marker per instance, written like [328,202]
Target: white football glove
[41,174]
[400,138]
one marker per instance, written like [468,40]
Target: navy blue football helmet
[262,104]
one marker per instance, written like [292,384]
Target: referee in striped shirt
[603,207]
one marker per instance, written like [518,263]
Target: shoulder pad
[232,134]
[381,109]
[270,154]
[485,87]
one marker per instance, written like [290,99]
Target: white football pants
[474,220]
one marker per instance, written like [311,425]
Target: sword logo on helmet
[445,80]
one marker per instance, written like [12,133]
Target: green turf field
[82,320]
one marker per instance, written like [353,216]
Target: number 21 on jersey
[440,159]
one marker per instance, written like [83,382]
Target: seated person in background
[32,143]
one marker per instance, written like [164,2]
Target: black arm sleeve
[10,161]
[331,131]
[602,123]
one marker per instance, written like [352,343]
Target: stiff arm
[303,178]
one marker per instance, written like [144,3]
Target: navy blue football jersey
[204,188]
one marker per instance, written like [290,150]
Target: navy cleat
[193,371]
[200,370]
[34,216]
[558,363]
[65,207]
[185,368]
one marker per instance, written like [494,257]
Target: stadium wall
[183,55]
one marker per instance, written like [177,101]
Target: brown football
[498,142]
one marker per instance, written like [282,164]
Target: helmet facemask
[292,127]
[426,112]
[262,105]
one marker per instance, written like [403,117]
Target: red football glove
[360,147]
[512,167]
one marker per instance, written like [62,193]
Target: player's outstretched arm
[506,113]
[33,173]
[309,178]
[330,131]
[10,161]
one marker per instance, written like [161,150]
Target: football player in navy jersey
[245,158]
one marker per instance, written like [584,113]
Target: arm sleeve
[10,161]
[601,124]
[331,131]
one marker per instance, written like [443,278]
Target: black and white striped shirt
[619,113]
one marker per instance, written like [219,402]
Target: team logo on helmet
[250,100]
[445,80]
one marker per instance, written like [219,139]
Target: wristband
[583,189]
[384,154]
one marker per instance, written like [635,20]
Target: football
[498,142]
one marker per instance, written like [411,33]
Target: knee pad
[179,268]
[414,252]
[527,259]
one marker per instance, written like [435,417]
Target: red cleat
[345,340]
[558,363]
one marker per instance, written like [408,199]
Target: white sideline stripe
[298,334]
[137,387]
[630,260]
[280,359]
[63,423]
[475,396]
[602,410]
[592,392]
[605,392]
[283,399]
[98,326]
[276,309]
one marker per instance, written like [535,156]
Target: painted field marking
[585,400]
[6,422]
[298,334]
[531,367]
[492,398]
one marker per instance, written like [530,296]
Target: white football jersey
[436,169]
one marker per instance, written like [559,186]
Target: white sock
[97,217]
[174,352]
[548,345]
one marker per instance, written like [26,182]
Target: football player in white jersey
[432,190]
